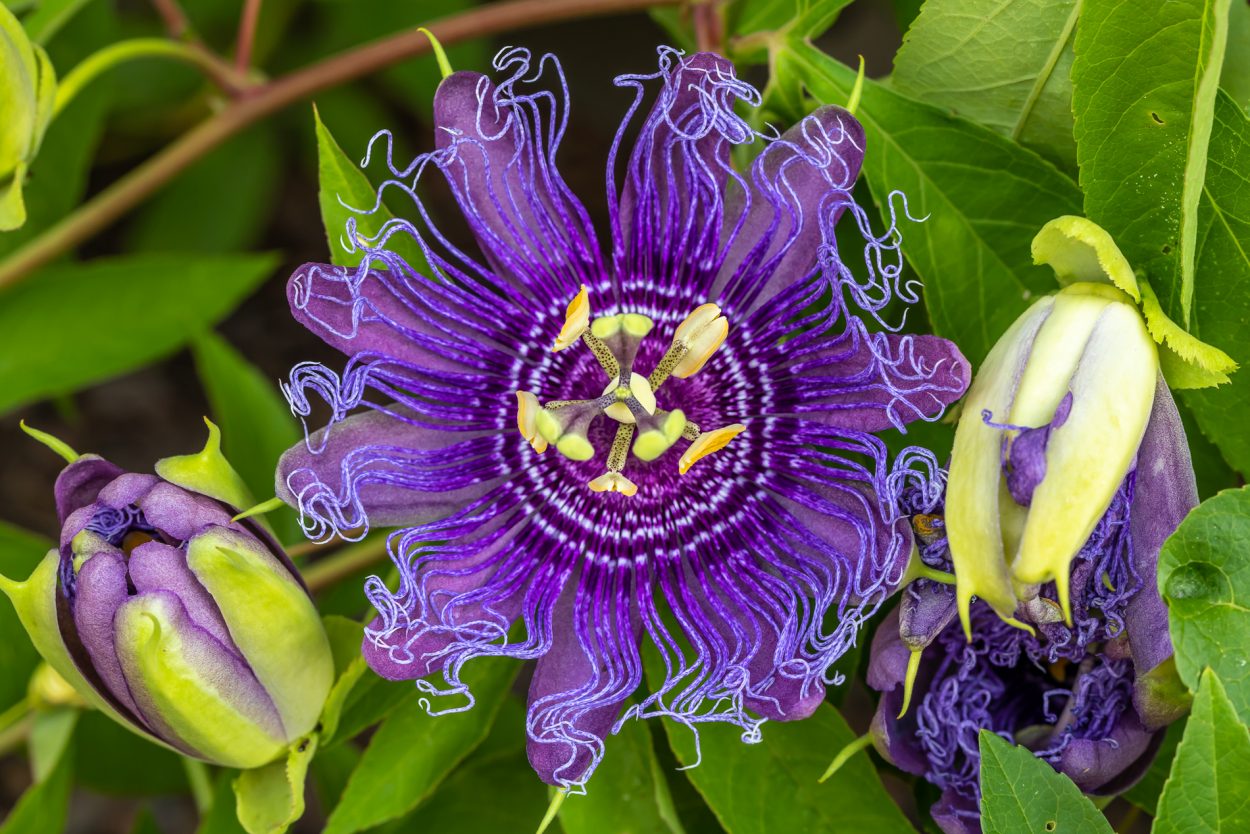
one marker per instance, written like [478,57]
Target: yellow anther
[527,411]
[702,332]
[614,482]
[639,389]
[707,443]
[576,320]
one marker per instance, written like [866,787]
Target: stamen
[707,443]
[603,353]
[658,434]
[614,482]
[702,332]
[527,412]
[576,320]
[668,363]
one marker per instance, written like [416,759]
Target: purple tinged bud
[185,626]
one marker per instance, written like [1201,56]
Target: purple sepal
[1123,756]
[1165,492]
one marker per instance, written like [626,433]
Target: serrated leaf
[76,324]
[1208,791]
[1020,792]
[1002,64]
[1204,577]
[256,424]
[772,786]
[627,793]
[1143,95]
[412,752]
[984,198]
[1221,309]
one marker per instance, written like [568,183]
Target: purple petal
[155,566]
[100,589]
[1164,491]
[798,188]
[80,483]
[181,514]
[927,607]
[497,149]
[894,737]
[376,468]
[419,641]
[870,382]
[384,314]
[126,490]
[578,689]
[956,814]
[667,227]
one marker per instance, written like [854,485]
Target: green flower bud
[27,93]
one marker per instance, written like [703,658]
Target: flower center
[629,398]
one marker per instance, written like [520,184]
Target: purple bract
[751,572]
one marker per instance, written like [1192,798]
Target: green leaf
[1144,90]
[1204,577]
[772,786]
[1209,787]
[49,16]
[1221,310]
[497,769]
[222,203]
[1003,64]
[20,551]
[271,798]
[412,752]
[1235,78]
[114,760]
[58,176]
[345,636]
[145,823]
[345,192]
[984,198]
[44,807]
[222,817]
[627,792]
[1020,792]
[1145,794]
[76,324]
[371,700]
[256,424]
[50,734]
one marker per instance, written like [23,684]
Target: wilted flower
[189,628]
[718,325]
[27,94]
[1077,662]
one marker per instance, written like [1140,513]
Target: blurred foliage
[981,125]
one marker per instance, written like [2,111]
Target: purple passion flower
[719,314]
[189,628]
[1088,692]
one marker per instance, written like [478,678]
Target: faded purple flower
[1081,696]
[720,314]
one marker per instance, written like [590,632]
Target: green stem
[845,754]
[98,63]
[325,572]
[265,99]
[201,784]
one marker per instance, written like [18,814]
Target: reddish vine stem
[265,99]
[247,34]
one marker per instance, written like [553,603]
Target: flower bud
[27,93]
[187,626]
[1050,429]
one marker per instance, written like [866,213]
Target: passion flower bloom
[1080,669]
[672,441]
[190,628]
